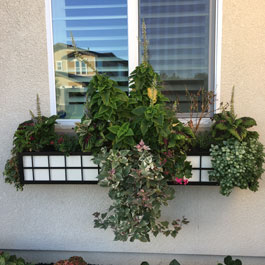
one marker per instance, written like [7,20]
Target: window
[183,35]
[179,34]
[77,67]
[59,66]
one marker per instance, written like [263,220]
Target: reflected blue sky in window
[98,25]
[100,31]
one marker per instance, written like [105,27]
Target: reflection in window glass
[84,67]
[178,35]
[99,28]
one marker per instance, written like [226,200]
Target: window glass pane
[178,35]
[99,28]
[83,68]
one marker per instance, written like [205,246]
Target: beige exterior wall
[57,217]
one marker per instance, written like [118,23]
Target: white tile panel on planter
[40,161]
[90,174]
[57,161]
[57,174]
[73,161]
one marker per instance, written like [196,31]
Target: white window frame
[133,54]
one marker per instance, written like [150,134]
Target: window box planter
[78,168]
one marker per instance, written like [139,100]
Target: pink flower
[185,181]
[145,147]
[141,146]
[179,181]
[141,142]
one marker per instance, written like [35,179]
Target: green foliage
[104,108]
[67,144]
[36,135]
[226,126]
[237,164]
[7,259]
[203,141]
[229,261]
[118,121]
[138,189]
[33,135]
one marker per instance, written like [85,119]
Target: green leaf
[123,129]
[129,132]
[248,122]
[165,223]
[105,97]
[103,109]
[144,127]
[103,215]
[235,134]
[221,126]
[114,129]
[138,111]
[174,262]
[130,141]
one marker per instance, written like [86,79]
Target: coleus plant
[226,125]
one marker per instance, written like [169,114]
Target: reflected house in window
[73,76]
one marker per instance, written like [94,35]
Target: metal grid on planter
[201,164]
[78,168]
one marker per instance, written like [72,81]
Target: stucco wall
[57,217]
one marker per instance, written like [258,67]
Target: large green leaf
[248,122]
[138,111]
